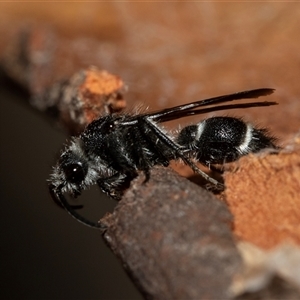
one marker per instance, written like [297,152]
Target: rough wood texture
[268,213]
[174,238]
[81,99]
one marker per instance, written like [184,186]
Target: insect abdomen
[223,139]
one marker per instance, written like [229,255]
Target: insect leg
[179,153]
[114,185]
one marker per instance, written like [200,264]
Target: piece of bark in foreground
[173,238]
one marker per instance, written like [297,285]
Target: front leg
[115,185]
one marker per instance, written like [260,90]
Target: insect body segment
[114,148]
[220,140]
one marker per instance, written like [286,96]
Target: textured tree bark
[173,238]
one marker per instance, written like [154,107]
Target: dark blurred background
[167,53]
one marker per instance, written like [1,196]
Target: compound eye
[75,173]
